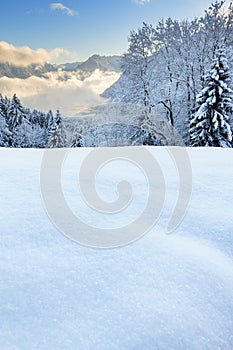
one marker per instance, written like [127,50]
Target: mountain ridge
[103,63]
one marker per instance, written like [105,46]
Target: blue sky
[85,27]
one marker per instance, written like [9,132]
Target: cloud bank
[63,90]
[54,92]
[60,7]
[24,55]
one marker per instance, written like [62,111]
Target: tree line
[21,127]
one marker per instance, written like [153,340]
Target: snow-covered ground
[160,292]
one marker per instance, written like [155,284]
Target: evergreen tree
[50,125]
[5,134]
[15,113]
[209,126]
[38,137]
[33,117]
[21,135]
[4,102]
[77,137]
[49,120]
[57,138]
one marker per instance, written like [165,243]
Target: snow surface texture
[160,292]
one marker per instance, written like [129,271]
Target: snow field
[160,292]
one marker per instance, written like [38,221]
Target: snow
[160,292]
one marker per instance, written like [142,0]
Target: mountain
[103,63]
[21,72]
[82,69]
[117,92]
[69,86]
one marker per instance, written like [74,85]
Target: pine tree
[5,134]
[77,137]
[209,125]
[38,137]
[21,135]
[15,113]
[57,138]
[4,102]
[49,120]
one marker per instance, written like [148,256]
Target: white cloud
[59,6]
[68,95]
[141,2]
[24,55]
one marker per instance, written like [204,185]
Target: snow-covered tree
[49,120]
[4,104]
[209,125]
[21,135]
[21,127]
[37,118]
[5,134]
[38,136]
[15,113]
[166,84]
[165,66]
[77,137]
[137,63]
[57,138]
